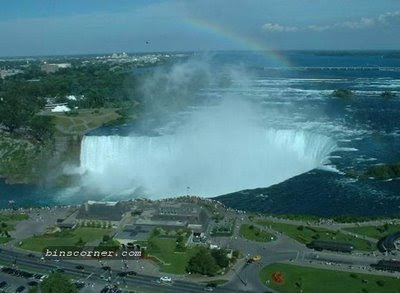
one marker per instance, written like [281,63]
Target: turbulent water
[266,126]
[209,163]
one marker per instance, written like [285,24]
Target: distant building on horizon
[52,68]
[9,72]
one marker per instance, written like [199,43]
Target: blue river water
[366,128]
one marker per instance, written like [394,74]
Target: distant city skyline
[44,27]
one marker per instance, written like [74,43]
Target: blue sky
[42,27]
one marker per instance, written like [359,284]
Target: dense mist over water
[212,142]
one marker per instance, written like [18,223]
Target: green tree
[106,238]
[42,127]
[57,283]
[380,283]
[220,257]
[80,242]
[180,243]
[15,112]
[202,263]
[236,253]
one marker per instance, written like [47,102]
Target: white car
[165,279]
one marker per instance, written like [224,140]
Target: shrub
[354,276]
[380,283]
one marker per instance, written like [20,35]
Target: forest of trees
[23,96]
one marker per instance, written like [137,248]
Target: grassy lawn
[83,119]
[7,224]
[254,233]
[5,239]
[64,238]
[164,248]
[8,220]
[310,280]
[375,231]
[7,217]
[175,262]
[306,234]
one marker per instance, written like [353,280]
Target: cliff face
[25,161]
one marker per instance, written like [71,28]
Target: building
[52,68]
[51,105]
[193,216]
[389,242]
[198,237]
[387,265]
[9,72]
[133,233]
[59,109]
[100,212]
[66,225]
[330,245]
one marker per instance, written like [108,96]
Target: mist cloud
[216,143]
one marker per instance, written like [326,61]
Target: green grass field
[13,217]
[174,262]
[164,248]
[253,233]
[7,224]
[64,238]
[5,239]
[83,120]
[306,234]
[375,231]
[310,280]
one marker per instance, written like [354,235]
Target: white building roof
[60,109]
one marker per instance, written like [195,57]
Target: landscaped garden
[377,232]
[76,237]
[168,248]
[254,233]
[290,278]
[306,234]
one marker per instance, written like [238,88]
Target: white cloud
[274,27]
[389,18]
[382,20]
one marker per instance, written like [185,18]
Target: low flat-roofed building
[66,225]
[195,217]
[389,242]
[330,245]
[161,223]
[133,233]
[100,211]
[387,265]
[51,68]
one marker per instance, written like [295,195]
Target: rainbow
[244,41]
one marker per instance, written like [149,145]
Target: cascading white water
[211,161]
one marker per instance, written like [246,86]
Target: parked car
[166,279]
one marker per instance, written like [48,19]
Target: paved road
[245,278]
[140,281]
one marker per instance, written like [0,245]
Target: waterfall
[210,163]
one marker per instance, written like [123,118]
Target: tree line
[23,96]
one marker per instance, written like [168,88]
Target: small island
[388,94]
[342,93]
[384,172]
